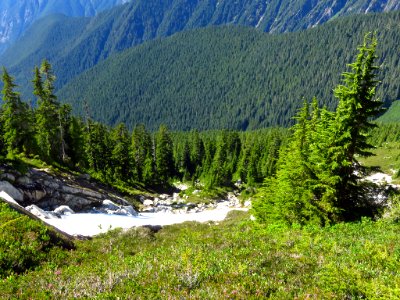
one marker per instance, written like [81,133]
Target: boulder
[64,210]
[24,180]
[40,213]
[78,203]
[51,184]
[7,176]
[11,190]
[130,210]
[148,202]
[108,204]
[34,195]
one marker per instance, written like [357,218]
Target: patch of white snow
[93,224]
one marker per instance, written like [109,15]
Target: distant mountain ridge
[77,44]
[17,15]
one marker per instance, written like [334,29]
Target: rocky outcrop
[49,192]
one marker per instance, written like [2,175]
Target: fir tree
[120,152]
[48,129]
[317,179]
[140,150]
[357,105]
[164,155]
[15,118]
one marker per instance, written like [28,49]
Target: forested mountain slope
[17,16]
[227,77]
[85,42]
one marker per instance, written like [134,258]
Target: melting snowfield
[92,224]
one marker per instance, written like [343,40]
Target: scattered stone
[8,177]
[108,204]
[11,190]
[64,210]
[34,195]
[24,180]
[148,202]
[40,213]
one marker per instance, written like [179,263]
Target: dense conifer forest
[139,157]
[235,78]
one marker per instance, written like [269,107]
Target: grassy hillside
[236,259]
[25,243]
[227,77]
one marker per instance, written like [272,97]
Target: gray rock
[130,210]
[64,210]
[148,209]
[24,180]
[34,195]
[7,176]
[84,176]
[77,203]
[40,212]
[148,202]
[247,203]
[12,191]
[108,204]
[51,184]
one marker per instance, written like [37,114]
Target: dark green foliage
[16,118]
[141,155]
[231,78]
[120,140]
[317,179]
[80,43]
[164,155]
[49,135]
[356,108]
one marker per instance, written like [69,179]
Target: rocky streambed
[77,206]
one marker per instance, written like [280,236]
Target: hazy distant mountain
[77,44]
[17,15]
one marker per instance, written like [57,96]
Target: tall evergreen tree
[15,117]
[120,152]
[357,106]
[48,129]
[141,149]
[317,178]
[164,155]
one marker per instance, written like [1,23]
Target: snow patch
[93,224]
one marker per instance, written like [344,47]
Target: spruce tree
[48,129]
[15,117]
[141,149]
[317,179]
[357,106]
[120,152]
[164,155]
